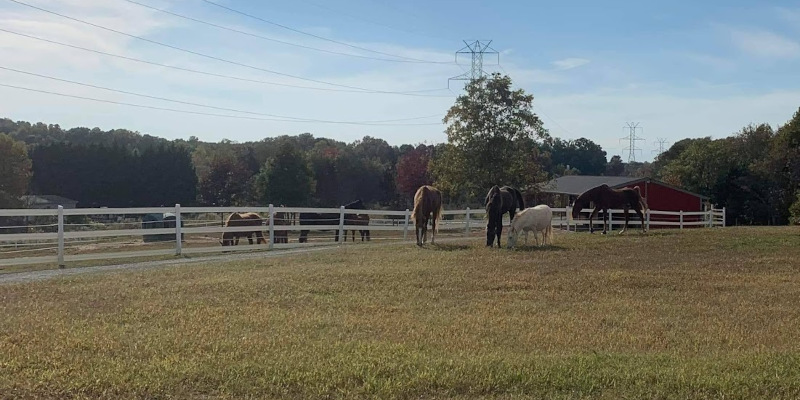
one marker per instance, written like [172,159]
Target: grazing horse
[604,197]
[427,207]
[326,219]
[281,218]
[358,219]
[242,219]
[536,219]
[500,200]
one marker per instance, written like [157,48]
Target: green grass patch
[708,313]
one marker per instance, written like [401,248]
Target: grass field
[711,313]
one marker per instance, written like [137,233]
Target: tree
[15,171]
[285,179]
[225,183]
[615,166]
[412,170]
[491,133]
[581,154]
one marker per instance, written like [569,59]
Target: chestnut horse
[427,207]
[604,197]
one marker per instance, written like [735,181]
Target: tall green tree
[491,133]
[286,179]
[15,171]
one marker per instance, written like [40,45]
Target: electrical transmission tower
[661,143]
[477,49]
[631,138]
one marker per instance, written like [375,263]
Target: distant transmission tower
[660,144]
[632,138]
[477,49]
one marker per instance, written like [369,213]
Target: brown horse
[242,219]
[427,207]
[604,197]
[501,200]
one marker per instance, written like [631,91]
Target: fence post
[178,234]
[60,236]
[568,210]
[405,229]
[681,216]
[610,220]
[466,231]
[271,226]
[647,213]
[723,217]
[341,225]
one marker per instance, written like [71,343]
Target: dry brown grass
[693,314]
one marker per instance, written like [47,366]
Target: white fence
[51,240]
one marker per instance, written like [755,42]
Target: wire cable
[205,105]
[278,40]
[192,51]
[317,36]
[202,113]
[407,93]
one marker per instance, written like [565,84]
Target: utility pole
[476,49]
[631,138]
[661,143]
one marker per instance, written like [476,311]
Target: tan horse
[427,207]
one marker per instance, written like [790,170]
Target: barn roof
[577,184]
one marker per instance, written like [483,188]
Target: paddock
[70,237]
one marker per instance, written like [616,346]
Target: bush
[794,210]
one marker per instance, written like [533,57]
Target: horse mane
[494,191]
[520,200]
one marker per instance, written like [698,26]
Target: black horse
[501,200]
[327,219]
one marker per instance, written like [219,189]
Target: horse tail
[642,201]
[494,190]
[520,200]
[437,213]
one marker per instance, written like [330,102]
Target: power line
[631,138]
[205,105]
[317,36]
[276,40]
[202,113]
[369,21]
[191,51]
[406,93]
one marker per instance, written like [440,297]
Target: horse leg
[605,221]
[641,217]
[433,231]
[625,228]
[490,232]
[592,215]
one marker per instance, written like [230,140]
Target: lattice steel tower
[632,138]
[476,49]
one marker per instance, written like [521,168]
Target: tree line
[494,137]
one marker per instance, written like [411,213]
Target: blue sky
[679,69]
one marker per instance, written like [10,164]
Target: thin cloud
[570,63]
[767,44]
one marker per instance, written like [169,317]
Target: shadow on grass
[446,247]
[533,248]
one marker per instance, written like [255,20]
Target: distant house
[47,201]
[659,196]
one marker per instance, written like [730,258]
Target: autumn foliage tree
[412,170]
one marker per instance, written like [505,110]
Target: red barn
[660,196]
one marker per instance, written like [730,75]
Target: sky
[340,68]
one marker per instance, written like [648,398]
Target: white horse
[536,219]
